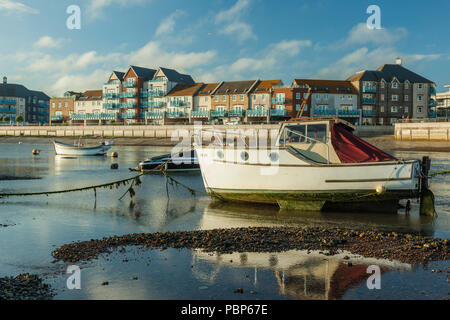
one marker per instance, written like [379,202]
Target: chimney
[5,80]
[398,61]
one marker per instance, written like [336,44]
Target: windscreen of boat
[351,149]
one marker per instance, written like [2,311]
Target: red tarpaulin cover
[351,149]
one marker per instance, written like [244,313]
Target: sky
[218,40]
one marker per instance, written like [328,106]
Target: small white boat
[79,149]
[315,164]
[182,162]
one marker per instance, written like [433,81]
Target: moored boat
[81,149]
[315,164]
[181,162]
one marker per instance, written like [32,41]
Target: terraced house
[89,109]
[62,108]
[393,92]
[328,98]
[260,108]
[17,103]
[202,103]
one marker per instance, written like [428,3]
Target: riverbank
[387,143]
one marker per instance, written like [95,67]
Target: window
[382,84]
[394,97]
[234,97]
[420,86]
[394,85]
[254,97]
[59,104]
[297,107]
[297,95]
[382,109]
[53,105]
[406,97]
[263,97]
[406,85]
[206,99]
[66,104]
[419,109]
[393,109]
[216,99]
[224,98]
[419,97]
[382,97]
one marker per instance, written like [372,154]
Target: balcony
[158,80]
[42,104]
[368,101]
[236,113]
[129,84]
[176,114]
[349,113]
[127,115]
[7,110]
[432,90]
[324,112]
[156,93]
[278,100]
[111,95]
[111,106]
[369,113]
[154,115]
[143,94]
[199,114]
[7,101]
[218,113]
[278,112]
[256,113]
[128,94]
[43,113]
[127,105]
[56,117]
[156,104]
[432,114]
[432,103]
[369,89]
[93,116]
[177,103]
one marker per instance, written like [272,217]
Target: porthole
[244,155]
[274,156]
[220,154]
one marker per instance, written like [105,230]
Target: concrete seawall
[150,131]
[423,131]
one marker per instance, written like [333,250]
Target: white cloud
[360,34]
[96,7]
[232,24]
[10,6]
[48,42]
[79,82]
[167,25]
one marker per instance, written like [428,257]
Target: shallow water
[39,224]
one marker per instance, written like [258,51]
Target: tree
[19,119]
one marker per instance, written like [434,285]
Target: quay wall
[152,131]
[423,131]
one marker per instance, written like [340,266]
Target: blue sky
[216,40]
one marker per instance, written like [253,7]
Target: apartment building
[393,92]
[261,101]
[180,102]
[62,108]
[202,103]
[111,93]
[19,103]
[328,98]
[89,109]
[443,103]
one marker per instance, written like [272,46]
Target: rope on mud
[439,173]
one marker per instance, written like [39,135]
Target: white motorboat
[315,164]
[81,149]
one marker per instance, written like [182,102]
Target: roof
[119,74]
[144,73]
[235,87]
[265,86]
[175,76]
[388,72]
[185,89]
[91,95]
[18,90]
[207,89]
[327,86]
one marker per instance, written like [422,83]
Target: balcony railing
[324,112]
[176,114]
[156,93]
[218,113]
[126,115]
[111,106]
[92,116]
[369,113]
[432,114]
[43,113]
[129,84]
[7,110]
[278,100]
[158,80]
[156,104]
[126,105]
[143,94]
[199,114]
[56,117]
[432,103]
[235,113]
[111,95]
[43,104]
[348,113]
[155,115]
[256,113]
[7,101]
[128,94]
[369,89]
[278,112]
[368,101]
[177,103]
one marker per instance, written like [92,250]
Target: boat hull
[293,183]
[69,150]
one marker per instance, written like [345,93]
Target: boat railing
[306,139]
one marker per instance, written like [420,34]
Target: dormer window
[394,85]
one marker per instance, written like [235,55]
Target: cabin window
[317,132]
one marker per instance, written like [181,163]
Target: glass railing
[92,116]
[348,113]
[278,112]
[43,104]
[369,89]
[129,84]
[323,112]
[156,104]
[368,101]
[125,105]
[111,105]
[176,114]
[156,93]
[177,103]
[125,115]
[218,113]
[55,117]
[110,95]
[235,113]
[369,113]
[432,103]
[158,80]
[7,101]
[128,94]
[278,100]
[199,114]
[432,114]
[155,115]
[7,110]
[143,94]
[432,90]
[256,113]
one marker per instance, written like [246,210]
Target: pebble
[240,290]
[25,287]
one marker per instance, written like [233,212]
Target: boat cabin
[327,141]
